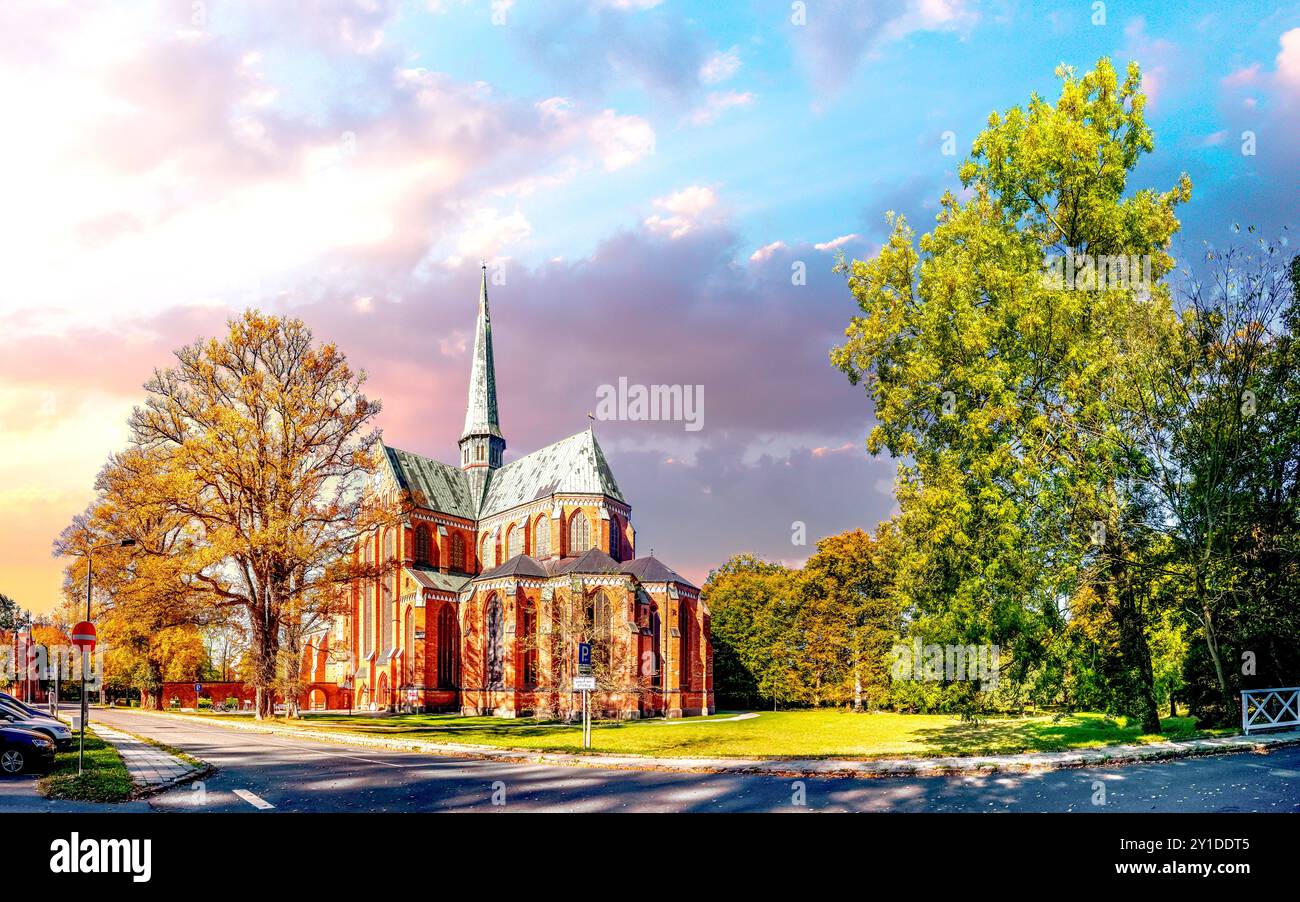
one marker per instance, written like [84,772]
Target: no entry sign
[83,635]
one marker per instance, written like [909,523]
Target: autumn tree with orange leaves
[243,486]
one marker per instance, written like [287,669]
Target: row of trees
[243,490]
[1100,476]
[820,635]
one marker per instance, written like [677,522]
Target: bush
[205,704]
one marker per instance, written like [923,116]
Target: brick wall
[334,697]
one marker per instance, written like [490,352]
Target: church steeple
[482,444]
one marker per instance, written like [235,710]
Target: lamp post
[85,653]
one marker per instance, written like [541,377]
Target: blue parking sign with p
[584,654]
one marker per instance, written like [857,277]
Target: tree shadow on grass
[1003,737]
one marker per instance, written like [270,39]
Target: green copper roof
[432,484]
[433,579]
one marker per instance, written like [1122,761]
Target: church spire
[482,443]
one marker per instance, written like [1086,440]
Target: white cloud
[766,251]
[717,103]
[720,66]
[688,208]
[487,231]
[1288,60]
[621,140]
[837,242]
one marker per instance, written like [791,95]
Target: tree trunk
[857,684]
[265,648]
[1133,641]
[1212,643]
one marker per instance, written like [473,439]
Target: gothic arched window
[422,544]
[495,653]
[514,542]
[388,545]
[530,645]
[408,648]
[368,621]
[578,541]
[614,536]
[457,552]
[386,617]
[542,537]
[604,628]
[656,637]
[487,552]
[685,623]
[448,646]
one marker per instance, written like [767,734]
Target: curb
[1033,762]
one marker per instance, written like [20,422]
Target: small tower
[481,444]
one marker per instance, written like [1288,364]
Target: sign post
[586,682]
[83,636]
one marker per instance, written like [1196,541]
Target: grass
[794,734]
[105,778]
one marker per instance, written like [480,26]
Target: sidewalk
[150,767]
[1032,762]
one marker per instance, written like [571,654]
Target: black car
[24,752]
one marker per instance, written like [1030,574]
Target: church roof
[575,464]
[593,560]
[433,485]
[433,579]
[652,570]
[519,565]
[481,410]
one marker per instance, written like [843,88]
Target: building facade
[478,599]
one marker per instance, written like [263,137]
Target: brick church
[500,569]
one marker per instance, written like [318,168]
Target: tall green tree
[848,618]
[753,604]
[997,388]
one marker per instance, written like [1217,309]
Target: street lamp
[85,653]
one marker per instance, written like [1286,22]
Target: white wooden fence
[1269,709]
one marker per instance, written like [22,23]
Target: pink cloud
[1247,75]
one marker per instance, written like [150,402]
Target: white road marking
[255,800]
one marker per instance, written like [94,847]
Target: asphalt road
[257,770]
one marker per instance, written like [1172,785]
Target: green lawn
[105,779]
[801,734]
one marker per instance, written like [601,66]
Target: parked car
[7,699]
[24,751]
[56,730]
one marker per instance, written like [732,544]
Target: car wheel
[12,761]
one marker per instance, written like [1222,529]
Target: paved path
[149,765]
[291,774]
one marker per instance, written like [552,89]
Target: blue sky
[643,174]
[825,147]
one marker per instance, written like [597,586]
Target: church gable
[573,465]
